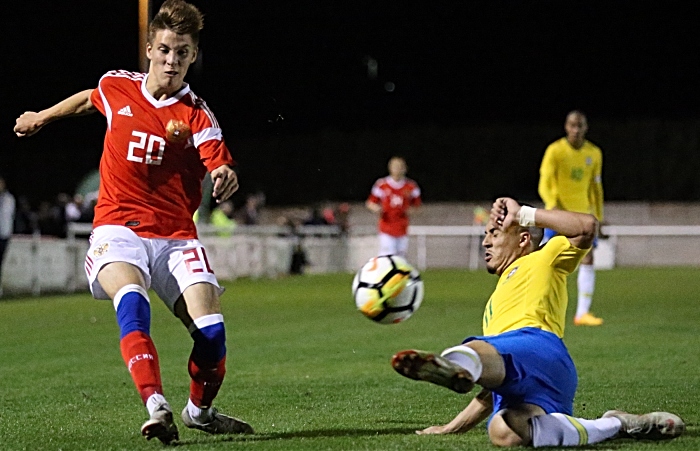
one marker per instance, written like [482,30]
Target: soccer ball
[387,289]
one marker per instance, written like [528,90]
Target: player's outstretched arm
[225,182]
[478,409]
[579,228]
[76,105]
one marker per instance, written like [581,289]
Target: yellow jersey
[571,179]
[532,292]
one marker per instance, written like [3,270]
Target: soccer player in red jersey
[161,140]
[391,197]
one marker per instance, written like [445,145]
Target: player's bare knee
[501,434]
[114,276]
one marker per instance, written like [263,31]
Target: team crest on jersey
[101,250]
[589,161]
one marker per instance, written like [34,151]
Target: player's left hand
[225,182]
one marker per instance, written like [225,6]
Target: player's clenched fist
[27,124]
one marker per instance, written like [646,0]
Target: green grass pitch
[310,372]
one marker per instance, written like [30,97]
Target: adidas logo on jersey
[126,111]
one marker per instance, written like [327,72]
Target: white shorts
[393,245]
[168,265]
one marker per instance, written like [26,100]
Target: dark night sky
[450,62]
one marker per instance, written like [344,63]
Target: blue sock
[209,337]
[133,310]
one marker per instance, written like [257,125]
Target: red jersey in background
[395,198]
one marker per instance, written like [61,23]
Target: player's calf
[207,364]
[207,368]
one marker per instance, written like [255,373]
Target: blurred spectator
[59,212]
[222,217]
[481,216]
[343,217]
[49,221]
[74,208]
[7,216]
[289,224]
[25,218]
[253,203]
[316,217]
[299,259]
[88,209]
[329,215]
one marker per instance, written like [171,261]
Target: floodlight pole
[145,8]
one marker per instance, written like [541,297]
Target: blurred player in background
[391,197]
[161,139]
[7,219]
[571,180]
[527,376]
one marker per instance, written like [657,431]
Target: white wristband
[526,216]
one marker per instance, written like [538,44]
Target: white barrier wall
[248,255]
[36,265]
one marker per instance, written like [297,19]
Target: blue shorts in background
[549,234]
[539,370]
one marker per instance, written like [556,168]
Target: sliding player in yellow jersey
[570,179]
[527,376]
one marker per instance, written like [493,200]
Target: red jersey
[395,198]
[147,183]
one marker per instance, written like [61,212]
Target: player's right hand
[504,212]
[27,124]
[436,430]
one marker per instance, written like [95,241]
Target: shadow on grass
[330,433]
[691,430]
[312,433]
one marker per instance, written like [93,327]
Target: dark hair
[178,16]
[578,113]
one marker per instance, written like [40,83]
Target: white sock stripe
[557,429]
[155,402]
[205,321]
[469,360]
[128,289]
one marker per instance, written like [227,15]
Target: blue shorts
[539,370]
[549,234]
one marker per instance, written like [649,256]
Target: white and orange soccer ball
[387,289]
